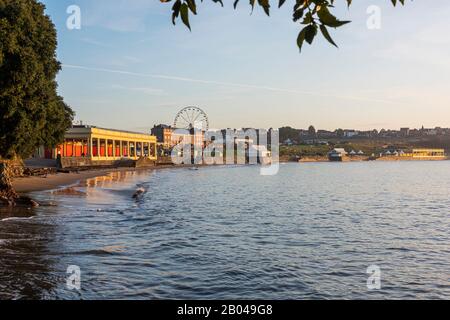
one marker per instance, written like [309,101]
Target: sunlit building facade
[100,144]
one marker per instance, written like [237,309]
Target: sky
[129,68]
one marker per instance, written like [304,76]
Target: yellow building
[99,144]
[424,153]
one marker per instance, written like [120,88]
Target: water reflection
[309,232]
[112,179]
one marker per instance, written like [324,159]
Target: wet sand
[58,180]
[54,181]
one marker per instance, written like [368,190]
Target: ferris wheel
[191,118]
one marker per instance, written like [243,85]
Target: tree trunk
[8,195]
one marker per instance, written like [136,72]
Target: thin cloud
[95,42]
[230,84]
[144,90]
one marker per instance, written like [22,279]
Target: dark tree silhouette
[31,112]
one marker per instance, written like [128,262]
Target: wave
[105,251]
[16,218]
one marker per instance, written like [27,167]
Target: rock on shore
[8,196]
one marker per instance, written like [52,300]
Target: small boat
[193,168]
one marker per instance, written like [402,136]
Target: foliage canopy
[31,112]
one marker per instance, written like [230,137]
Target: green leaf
[301,38]
[176,10]
[328,19]
[184,11]
[326,35]
[311,32]
[192,6]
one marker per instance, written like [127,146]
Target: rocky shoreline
[8,195]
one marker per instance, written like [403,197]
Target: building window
[139,149]
[117,149]
[152,150]
[102,148]
[110,148]
[146,149]
[125,148]
[132,149]
[95,148]
[69,149]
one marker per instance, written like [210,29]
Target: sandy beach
[58,180]
[54,181]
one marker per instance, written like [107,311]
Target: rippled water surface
[226,232]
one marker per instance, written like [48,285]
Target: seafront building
[340,154]
[163,134]
[423,153]
[88,145]
[415,154]
[337,154]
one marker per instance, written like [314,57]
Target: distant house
[337,154]
[322,142]
[163,133]
[311,142]
[429,132]
[404,132]
[350,133]
[368,134]
[261,154]
[324,134]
